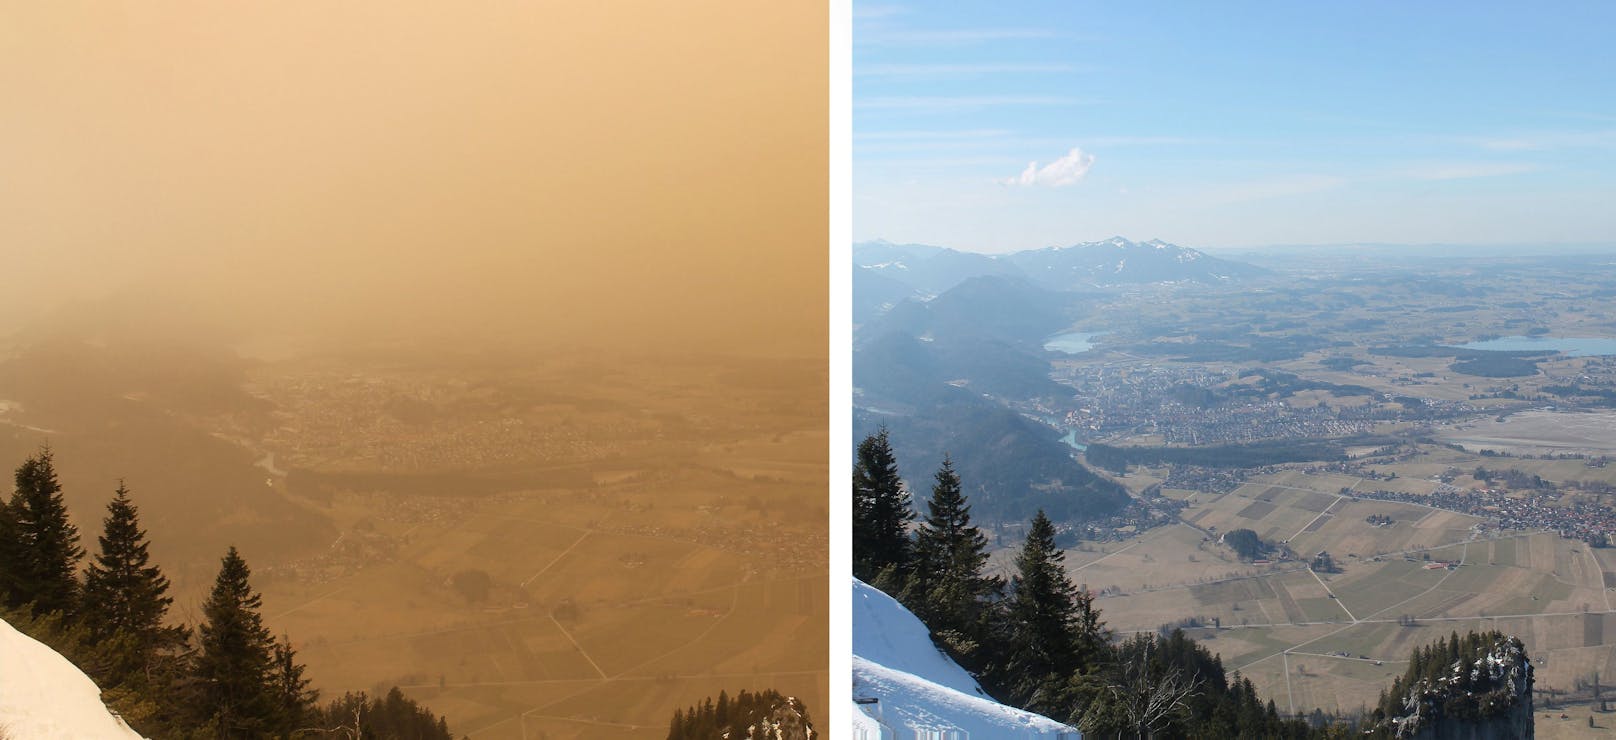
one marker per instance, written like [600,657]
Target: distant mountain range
[885,273]
[950,342]
[933,374]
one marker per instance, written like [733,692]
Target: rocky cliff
[1478,687]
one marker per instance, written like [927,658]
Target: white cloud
[1067,170]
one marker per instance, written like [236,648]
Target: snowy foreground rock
[44,696]
[918,691]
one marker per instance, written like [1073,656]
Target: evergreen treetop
[1043,622]
[11,554]
[948,590]
[46,551]
[123,592]
[947,548]
[234,681]
[294,700]
[881,510]
[236,659]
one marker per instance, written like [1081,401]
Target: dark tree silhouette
[1042,621]
[948,590]
[123,592]
[236,660]
[46,553]
[881,510]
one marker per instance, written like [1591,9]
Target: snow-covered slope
[42,695]
[918,689]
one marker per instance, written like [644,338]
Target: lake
[1571,346]
[1072,343]
[1071,439]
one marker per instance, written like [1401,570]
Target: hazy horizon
[400,298]
[1492,247]
[359,170]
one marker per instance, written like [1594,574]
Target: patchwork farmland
[1335,640]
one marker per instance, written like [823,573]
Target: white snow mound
[918,690]
[43,695]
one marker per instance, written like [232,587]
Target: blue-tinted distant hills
[937,375]
[950,345]
[990,306]
[1118,261]
[929,270]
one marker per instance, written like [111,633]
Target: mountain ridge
[930,270]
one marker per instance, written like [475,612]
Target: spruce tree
[235,663]
[950,593]
[47,551]
[10,558]
[294,700]
[881,510]
[123,593]
[1042,622]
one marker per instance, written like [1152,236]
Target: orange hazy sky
[646,171]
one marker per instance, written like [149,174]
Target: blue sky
[998,127]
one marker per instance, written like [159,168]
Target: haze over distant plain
[549,173]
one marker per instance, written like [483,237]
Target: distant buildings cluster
[1535,510]
[1175,403]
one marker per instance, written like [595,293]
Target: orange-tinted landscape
[493,336]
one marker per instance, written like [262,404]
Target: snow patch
[43,695]
[917,690]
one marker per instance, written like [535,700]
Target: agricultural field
[540,614]
[1335,640]
[678,552]
[1539,432]
[1426,422]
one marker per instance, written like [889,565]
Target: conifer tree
[950,593]
[294,700]
[881,510]
[123,593]
[393,716]
[47,552]
[1042,622]
[10,557]
[235,664]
